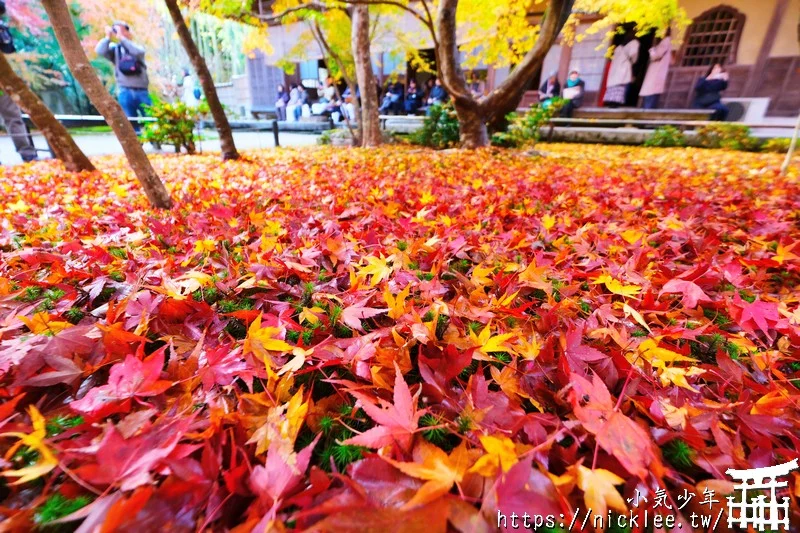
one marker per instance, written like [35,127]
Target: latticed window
[713,37]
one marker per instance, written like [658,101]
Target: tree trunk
[792,146]
[472,128]
[59,139]
[206,81]
[369,120]
[474,114]
[61,20]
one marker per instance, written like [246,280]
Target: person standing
[191,92]
[10,112]
[656,78]
[620,74]
[130,70]
[280,103]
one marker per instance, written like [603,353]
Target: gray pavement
[97,144]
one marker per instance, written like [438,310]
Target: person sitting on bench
[550,89]
[708,92]
[573,93]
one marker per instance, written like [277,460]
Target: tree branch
[512,87]
[428,23]
[276,17]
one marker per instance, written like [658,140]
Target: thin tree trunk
[61,20]
[59,139]
[792,146]
[369,120]
[206,81]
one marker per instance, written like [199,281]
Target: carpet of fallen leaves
[395,340]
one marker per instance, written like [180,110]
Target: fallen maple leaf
[34,440]
[397,422]
[437,468]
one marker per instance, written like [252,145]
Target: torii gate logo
[759,512]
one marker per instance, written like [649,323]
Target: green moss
[679,454]
[117,276]
[292,336]
[31,294]
[463,424]
[746,296]
[638,333]
[402,246]
[437,435]
[119,253]
[74,315]
[61,423]
[57,506]
[344,454]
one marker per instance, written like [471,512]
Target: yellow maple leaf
[599,491]
[205,246]
[260,341]
[677,376]
[616,287]
[397,304]
[309,314]
[487,343]
[657,356]
[480,276]
[439,470]
[43,323]
[34,440]
[527,349]
[548,221]
[784,253]
[500,454]
[377,267]
[18,207]
[631,235]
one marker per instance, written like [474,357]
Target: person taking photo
[10,112]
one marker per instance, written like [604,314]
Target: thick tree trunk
[59,139]
[472,128]
[206,81]
[369,120]
[81,68]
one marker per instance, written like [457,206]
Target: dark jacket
[438,93]
[556,89]
[112,51]
[708,92]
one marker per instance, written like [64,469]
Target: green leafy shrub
[666,137]
[779,145]
[525,129]
[440,129]
[325,138]
[727,137]
[174,125]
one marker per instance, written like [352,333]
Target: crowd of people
[621,77]
[394,98]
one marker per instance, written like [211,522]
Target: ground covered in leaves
[400,340]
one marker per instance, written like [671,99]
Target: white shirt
[621,70]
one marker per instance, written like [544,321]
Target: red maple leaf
[133,377]
[397,422]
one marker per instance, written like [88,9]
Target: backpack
[6,41]
[126,63]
